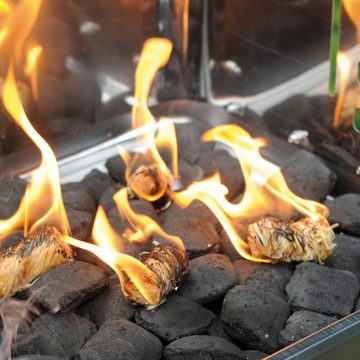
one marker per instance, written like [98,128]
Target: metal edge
[322,340]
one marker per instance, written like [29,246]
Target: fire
[344,64]
[45,183]
[31,68]
[266,191]
[155,54]
[352,8]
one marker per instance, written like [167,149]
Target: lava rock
[62,334]
[114,350]
[39,357]
[199,236]
[106,200]
[264,277]
[254,355]
[345,210]
[77,197]
[301,324]
[228,167]
[210,277]
[196,209]
[254,318]
[81,223]
[116,168]
[146,345]
[321,289]
[346,255]
[307,176]
[97,182]
[109,303]
[68,285]
[11,192]
[202,347]
[176,318]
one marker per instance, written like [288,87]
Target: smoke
[13,313]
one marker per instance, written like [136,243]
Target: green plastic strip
[334,44]
[357,120]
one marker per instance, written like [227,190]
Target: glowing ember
[266,193]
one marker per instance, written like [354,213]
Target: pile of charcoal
[228,307]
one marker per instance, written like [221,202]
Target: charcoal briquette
[307,176]
[147,346]
[301,324]
[264,277]
[109,303]
[346,255]
[11,192]
[322,289]
[68,285]
[202,347]
[211,276]
[345,210]
[97,182]
[196,209]
[62,334]
[254,318]
[176,318]
[113,350]
[216,329]
[228,167]
[81,223]
[254,355]
[199,236]
[106,200]
[116,168]
[77,197]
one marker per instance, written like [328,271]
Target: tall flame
[266,192]
[344,64]
[155,54]
[352,8]
[45,183]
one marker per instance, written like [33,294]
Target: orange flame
[352,8]
[31,69]
[155,54]
[266,191]
[109,243]
[45,183]
[344,64]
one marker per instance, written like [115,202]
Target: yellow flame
[5,7]
[344,65]
[136,271]
[109,243]
[266,192]
[31,69]
[155,54]
[18,24]
[43,201]
[352,8]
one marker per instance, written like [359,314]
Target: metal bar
[323,341]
